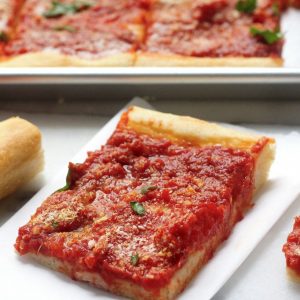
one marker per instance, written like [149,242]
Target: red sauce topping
[109,27]
[292,248]
[104,28]
[211,29]
[186,193]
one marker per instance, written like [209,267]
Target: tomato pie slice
[292,251]
[213,33]
[76,33]
[141,215]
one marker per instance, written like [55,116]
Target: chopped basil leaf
[145,189]
[65,28]
[246,6]
[138,208]
[68,183]
[275,8]
[269,36]
[3,36]
[54,224]
[59,9]
[134,259]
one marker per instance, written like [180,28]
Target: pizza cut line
[141,32]
[142,214]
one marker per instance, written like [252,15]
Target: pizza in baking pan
[141,32]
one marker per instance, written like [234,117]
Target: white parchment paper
[21,278]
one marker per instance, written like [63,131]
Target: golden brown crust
[48,59]
[292,275]
[172,60]
[189,129]
[21,154]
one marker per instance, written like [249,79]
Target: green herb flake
[275,9]
[65,28]
[134,259]
[3,36]
[147,188]
[59,9]
[246,6]
[54,224]
[138,208]
[68,183]
[269,36]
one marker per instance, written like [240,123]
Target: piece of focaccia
[21,154]
[143,213]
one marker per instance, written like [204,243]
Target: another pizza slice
[144,213]
[76,33]
[291,3]
[292,251]
[213,33]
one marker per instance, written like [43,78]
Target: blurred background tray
[65,85]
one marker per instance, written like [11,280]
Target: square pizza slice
[213,33]
[141,215]
[77,33]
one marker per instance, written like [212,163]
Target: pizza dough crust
[173,60]
[48,59]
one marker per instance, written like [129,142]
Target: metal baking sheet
[290,73]
[148,75]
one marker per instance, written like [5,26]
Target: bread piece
[21,156]
[182,131]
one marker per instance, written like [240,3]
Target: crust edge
[172,60]
[292,275]
[131,290]
[190,129]
[47,59]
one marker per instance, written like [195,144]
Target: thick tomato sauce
[292,248]
[211,29]
[93,226]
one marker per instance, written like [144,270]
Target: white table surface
[261,276]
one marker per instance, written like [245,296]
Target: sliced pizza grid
[141,33]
